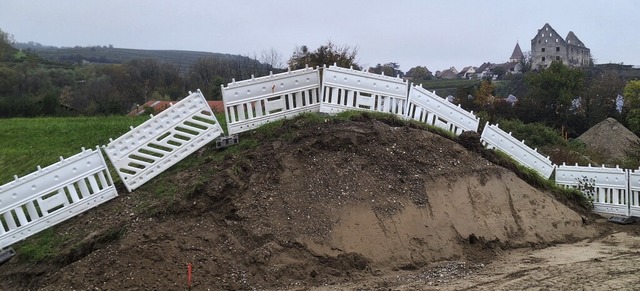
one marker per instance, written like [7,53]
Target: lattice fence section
[251,103]
[608,187]
[634,192]
[162,141]
[494,137]
[53,194]
[428,107]
[347,89]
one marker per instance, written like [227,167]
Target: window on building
[557,58]
[543,50]
[557,48]
[547,29]
[543,59]
[556,40]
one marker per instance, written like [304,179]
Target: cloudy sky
[436,34]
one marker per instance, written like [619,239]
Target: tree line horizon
[573,99]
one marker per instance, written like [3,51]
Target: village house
[447,74]
[547,46]
[467,72]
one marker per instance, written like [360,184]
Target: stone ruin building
[548,46]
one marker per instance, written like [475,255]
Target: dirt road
[609,263]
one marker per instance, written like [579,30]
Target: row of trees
[31,86]
[345,56]
[558,96]
[561,97]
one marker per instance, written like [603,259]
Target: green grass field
[26,143]
[446,84]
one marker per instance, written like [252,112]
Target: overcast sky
[435,34]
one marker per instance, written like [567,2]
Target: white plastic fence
[53,194]
[428,107]
[165,139]
[348,89]
[251,103]
[634,192]
[610,186]
[494,137]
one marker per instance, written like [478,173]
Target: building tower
[517,54]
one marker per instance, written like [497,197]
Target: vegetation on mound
[550,142]
[573,198]
[168,192]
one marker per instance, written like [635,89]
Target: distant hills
[110,55]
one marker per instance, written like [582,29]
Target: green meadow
[26,143]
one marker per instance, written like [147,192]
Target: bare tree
[525,62]
[272,58]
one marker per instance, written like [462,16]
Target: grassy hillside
[448,87]
[97,54]
[26,143]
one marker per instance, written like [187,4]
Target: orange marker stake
[189,276]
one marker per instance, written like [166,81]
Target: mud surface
[329,206]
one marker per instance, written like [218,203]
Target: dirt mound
[325,204]
[610,139]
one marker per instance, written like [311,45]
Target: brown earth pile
[326,204]
[609,139]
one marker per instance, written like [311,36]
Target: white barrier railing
[494,137]
[634,193]
[165,139]
[428,107]
[609,186]
[53,194]
[251,103]
[348,89]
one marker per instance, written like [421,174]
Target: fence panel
[251,103]
[162,141]
[348,89]
[634,193]
[53,194]
[609,194]
[494,137]
[428,107]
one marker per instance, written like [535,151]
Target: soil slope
[610,139]
[322,204]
